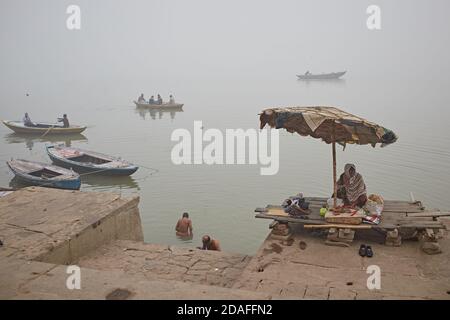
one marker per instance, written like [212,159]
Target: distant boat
[84,161]
[44,175]
[166,105]
[42,128]
[323,76]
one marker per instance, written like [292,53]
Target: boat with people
[158,103]
[44,174]
[164,105]
[43,128]
[322,76]
[84,161]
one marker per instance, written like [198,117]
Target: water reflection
[323,82]
[29,140]
[100,183]
[157,113]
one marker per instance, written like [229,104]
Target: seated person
[64,120]
[184,226]
[171,99]
[141,98]
[210,244]
[27,121]
[351,187]
[160,100]
[152,100]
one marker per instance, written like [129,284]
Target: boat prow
[42,128]
[44,174]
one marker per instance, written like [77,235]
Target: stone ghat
[168,262]
[60,226]
[44,230]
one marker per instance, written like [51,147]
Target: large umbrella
[330,124]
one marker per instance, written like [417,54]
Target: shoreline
[45,230]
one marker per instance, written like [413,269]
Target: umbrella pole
[334,175]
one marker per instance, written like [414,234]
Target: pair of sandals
[365,251]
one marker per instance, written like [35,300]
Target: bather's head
[185,215]
[206,240]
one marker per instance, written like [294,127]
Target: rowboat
[323,76]
[44,174]
[166,105]
[42,128]
[84,161]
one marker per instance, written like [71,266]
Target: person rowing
[64,120]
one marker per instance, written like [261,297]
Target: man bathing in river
[210,244]
[184,226]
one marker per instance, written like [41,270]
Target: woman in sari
[351,187]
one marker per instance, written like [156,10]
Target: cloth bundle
[296,205]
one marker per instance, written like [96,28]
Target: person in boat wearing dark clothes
[210,244]
[27,121]
[152,100]
[184,226]
[64,120]
[351,187]
[160,100]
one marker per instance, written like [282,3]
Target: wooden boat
[323,76]
[166,105]
[42,128]
[44,175]
[84,161]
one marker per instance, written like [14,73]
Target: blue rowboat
[84,161]
[44,175]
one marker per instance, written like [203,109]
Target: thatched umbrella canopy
[330,124]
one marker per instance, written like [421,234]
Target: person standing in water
[184,226]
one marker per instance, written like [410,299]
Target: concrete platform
[38,280]
[43,230]
[285,271]
[153,262]
[59,226]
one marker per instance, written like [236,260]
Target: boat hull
[18,127]
[325,76]
[159,106]
[73,183]
[85,168]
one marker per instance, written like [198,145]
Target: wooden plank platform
[396,214]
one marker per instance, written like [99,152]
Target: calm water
[226,63]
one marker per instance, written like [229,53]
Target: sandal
[362,250]
[369,252]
